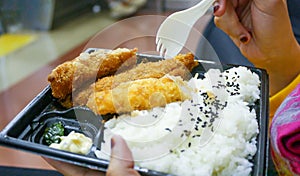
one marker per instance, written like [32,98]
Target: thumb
[121,160]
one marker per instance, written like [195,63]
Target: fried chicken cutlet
[181,65]
[141,94]
[67,77]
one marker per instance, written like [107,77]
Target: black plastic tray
[24,131]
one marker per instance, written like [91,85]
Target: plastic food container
[25,131]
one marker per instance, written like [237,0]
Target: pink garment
[285,132]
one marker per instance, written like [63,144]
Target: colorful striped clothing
[285,129]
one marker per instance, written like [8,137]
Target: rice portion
[214,133]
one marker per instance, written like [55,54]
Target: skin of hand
[121,159]
[262,30]
[121,162]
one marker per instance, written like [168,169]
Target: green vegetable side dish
[53,133]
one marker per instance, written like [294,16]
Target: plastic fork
[174,31]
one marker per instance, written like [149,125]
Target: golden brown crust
[60,81]
[188,60]
[65,78]
[67,102]
[181,66]
[137,95]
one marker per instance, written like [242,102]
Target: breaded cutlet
[181,65]
[87,67]
[141,94]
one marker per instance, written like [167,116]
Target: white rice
[215,135]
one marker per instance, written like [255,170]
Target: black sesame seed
[155,115]
[168,129]
[188,133]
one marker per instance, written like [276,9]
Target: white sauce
[74,142]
